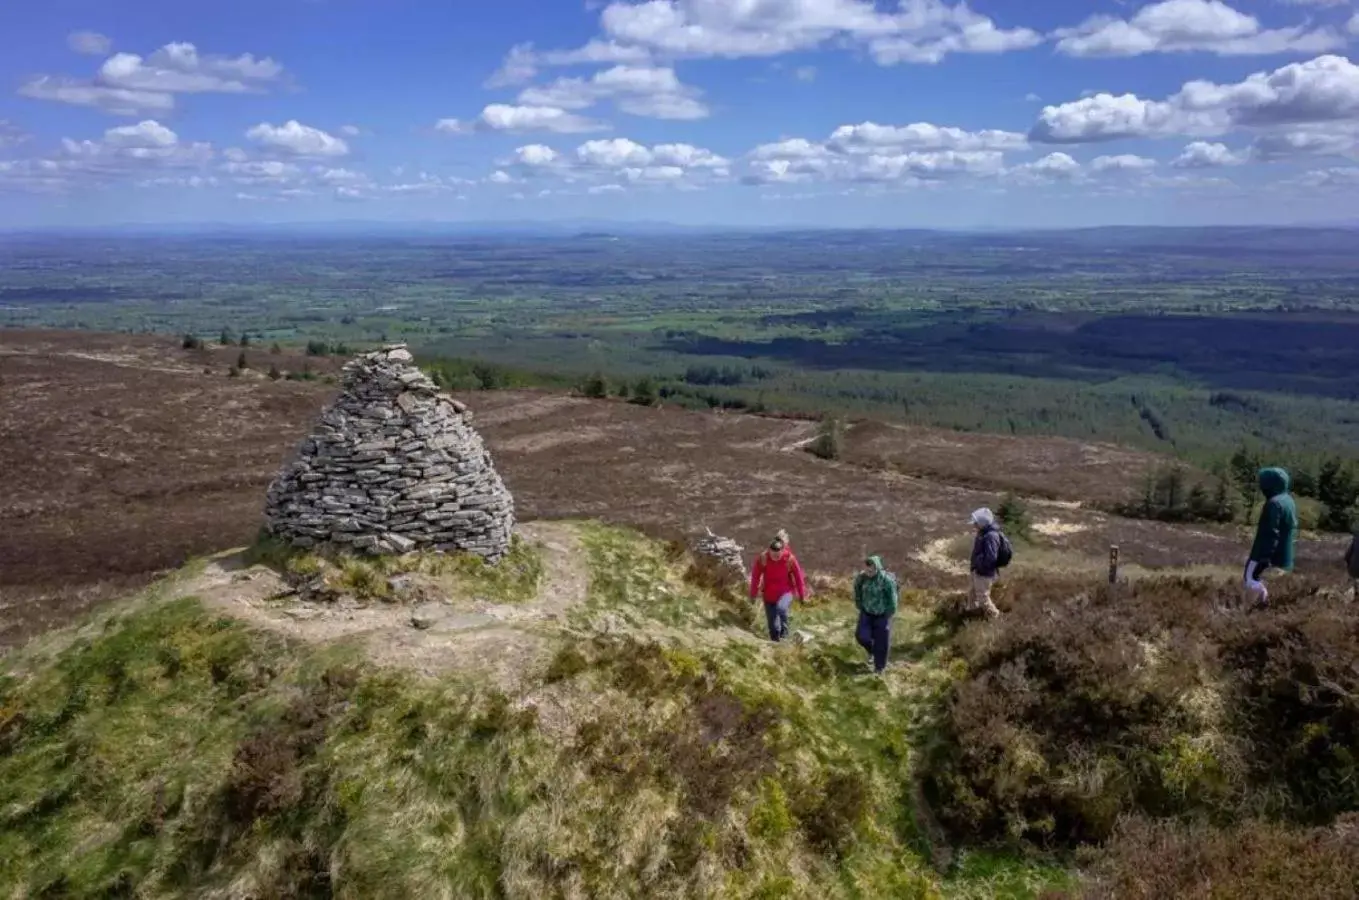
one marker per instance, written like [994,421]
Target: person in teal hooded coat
[1275,536]
[875,595]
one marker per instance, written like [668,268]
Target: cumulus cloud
[262,171]
[871,137]
[1278,145]
[1203,155]
[117,101]
[799,160]
[523,61]
[1321,90]
[135,152]
[350,130]
[1340,177]
[637,90]
[1123,162]
[916,31]
[296,139]
[1178,26]
[129,85]
[501,117]
[90,43]
[1053,167]
[614,160]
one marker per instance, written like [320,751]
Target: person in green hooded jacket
[1275,536]
[875,595]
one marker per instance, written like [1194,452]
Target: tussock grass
[514,578]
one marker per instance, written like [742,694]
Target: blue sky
[717,112]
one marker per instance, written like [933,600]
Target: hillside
[596,717]
[153,455]
[598,714]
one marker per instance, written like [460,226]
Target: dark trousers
[874,634]
[776,614]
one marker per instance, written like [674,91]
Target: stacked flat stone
[724,550]
[393,466]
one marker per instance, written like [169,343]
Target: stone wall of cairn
[726,551]
[393,466]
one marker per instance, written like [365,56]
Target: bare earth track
[121,458]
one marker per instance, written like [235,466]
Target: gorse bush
[1084,705]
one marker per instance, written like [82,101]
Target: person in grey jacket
[985,563]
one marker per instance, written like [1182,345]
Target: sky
[728,113]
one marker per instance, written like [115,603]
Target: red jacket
[781,574]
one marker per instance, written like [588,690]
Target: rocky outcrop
[393,466]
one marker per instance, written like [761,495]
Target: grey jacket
[986,552]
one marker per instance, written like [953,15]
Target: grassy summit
[599,718]
[659,749]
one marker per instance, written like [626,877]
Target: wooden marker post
[1113,564]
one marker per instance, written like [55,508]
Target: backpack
[1005,552]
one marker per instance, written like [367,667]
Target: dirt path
[502,642]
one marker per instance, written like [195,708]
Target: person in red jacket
[777,578]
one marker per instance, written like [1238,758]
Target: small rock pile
[393,466]
[726,551]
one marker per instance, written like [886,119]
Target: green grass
[168,752]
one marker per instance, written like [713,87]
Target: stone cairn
[393,466]
[724,550]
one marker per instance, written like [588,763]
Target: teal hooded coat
[1277,532]
[876,594]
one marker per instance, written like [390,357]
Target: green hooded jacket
[876,594]
[1278,528]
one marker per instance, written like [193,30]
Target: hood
[1274,482]
[876,562]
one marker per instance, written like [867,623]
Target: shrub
[1086,704]
[1157,860]
[644,393]
[1013,514]
[595,387]
[830,439]
[242,362]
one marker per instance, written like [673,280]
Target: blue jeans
[874,634]
[776,614]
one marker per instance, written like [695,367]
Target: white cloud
[1053,167]
[605,189]
[1353,26]
[341,176]
[501,117]
[870,137]
[350,130]
[118,101]
[523,62]
[90,43]
[260,172]
[1179,26]
[1316,141]
[427,184]
[916,31]
[638,90]
[1203,155]
[149,133]
[179,69]
[1123,162]
[1340,177]
[297,139]
[501,177]
[601,162]
[536,156]
[805,73]
[1031,97]
[136,152]
[1320,90]
[919,31]
[129,85]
